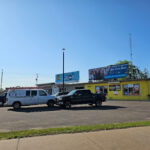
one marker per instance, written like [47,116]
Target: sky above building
[95,33]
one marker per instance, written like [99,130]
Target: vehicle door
[43,97]
[27,99]
[34,97]
[77,97]
[87,97]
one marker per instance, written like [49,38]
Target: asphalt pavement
[41,116]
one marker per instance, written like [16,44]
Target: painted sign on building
[69,77]
[98,73]
[55,89]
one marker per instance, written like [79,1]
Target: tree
[133,71]
[123,62]
[146,74]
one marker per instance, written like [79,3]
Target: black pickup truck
[80,97]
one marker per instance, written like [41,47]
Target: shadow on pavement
[74,108]
[35,109]
[105,107]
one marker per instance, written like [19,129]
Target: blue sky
[95,33]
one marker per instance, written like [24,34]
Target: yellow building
[122,90]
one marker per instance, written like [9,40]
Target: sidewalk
[121,139]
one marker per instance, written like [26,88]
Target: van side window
[42,93]
[33,93]
[27,93]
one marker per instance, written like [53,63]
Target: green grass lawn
[73,129]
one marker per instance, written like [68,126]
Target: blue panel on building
[117,71]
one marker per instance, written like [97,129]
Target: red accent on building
[13,88]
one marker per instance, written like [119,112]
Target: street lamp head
[63,49]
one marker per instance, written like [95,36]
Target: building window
[114,88]
[131,89]
[103,89]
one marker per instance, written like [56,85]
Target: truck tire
[68,105]
[91,104]
[2,105]
[98,103]
[17,105]
[50,103]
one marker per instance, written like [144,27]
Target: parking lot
[41,116]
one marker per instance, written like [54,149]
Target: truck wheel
[98,103]
[91,104]
[50,103]
[17,105]
[2,105]
[68,105]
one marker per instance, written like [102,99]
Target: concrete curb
[121,139]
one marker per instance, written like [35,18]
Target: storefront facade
[122,90]
[53,88]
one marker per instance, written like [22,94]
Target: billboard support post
[63,69]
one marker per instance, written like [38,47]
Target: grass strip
[73,129]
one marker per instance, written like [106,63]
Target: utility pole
[63,68]
[36,79]
[2,80]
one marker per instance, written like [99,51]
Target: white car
[24,97]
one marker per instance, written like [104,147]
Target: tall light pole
[63,67]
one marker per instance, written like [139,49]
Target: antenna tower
[131,52]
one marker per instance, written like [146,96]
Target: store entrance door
[103,89]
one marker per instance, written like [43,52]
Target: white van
[25,97]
